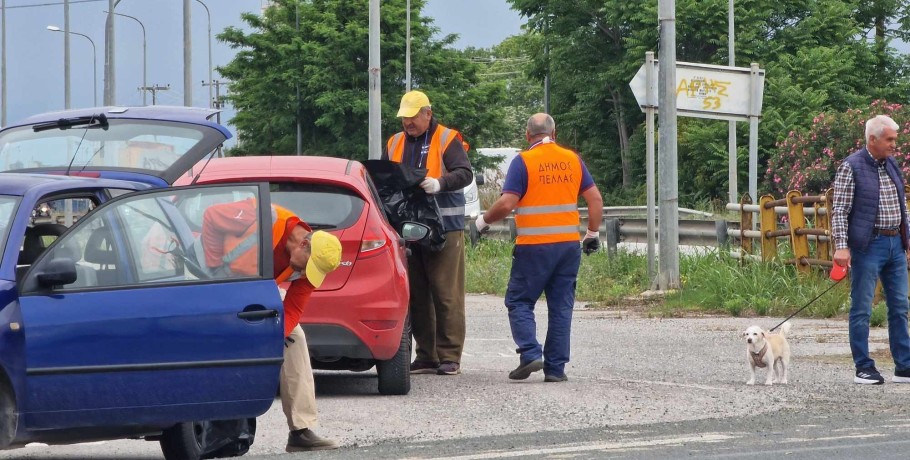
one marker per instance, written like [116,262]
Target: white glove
[430,185]
[481,224]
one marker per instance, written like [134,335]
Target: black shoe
[424,367]
[868,376]
[305,440]
[901,376]
[449,368]
[524,370]
[555,378]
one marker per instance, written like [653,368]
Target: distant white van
[472,198]
[508,154]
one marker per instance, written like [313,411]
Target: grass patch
[719,283]
[601,279]
[711,283]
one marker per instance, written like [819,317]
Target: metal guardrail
[621,225]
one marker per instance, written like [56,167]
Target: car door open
[129,320]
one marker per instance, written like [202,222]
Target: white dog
[764,349]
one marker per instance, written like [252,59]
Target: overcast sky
[35,55]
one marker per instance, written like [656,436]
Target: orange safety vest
[438,145]
[242,251]
[451,203]
[548,211]
[280,217]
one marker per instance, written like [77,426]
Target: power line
[50,4]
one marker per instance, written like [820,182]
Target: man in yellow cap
[436,278]
[304,258]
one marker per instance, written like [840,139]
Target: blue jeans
[884,259]
[536,269]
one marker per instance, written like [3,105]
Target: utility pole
[154,90]
[67,99]
[546,77]
[668,182]
[375,86]
[407,49]
[3,65]
[299,150]
[731,141]
[109,85]
[187,55]
[216,103]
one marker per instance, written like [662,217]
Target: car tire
[183,441]
[395,373]
[9,418]
[186,441]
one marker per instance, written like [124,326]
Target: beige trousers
[298,392]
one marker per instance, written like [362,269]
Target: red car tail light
[379,325]
[373,240]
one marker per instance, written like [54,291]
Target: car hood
[153,145]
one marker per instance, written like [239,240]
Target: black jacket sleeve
[458,167]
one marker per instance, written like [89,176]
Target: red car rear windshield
[322,207]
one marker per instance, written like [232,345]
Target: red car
[358,318]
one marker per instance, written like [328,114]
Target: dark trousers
[437,300]
[536,269]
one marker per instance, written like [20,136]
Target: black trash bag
[403,200]
[227,438]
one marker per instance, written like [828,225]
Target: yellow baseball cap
[325,255]
[412,102]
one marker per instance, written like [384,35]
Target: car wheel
[395,373]
[205,440]
[183,441]
[9,419]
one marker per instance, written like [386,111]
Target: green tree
[819,55]
[509,64]
[321,48]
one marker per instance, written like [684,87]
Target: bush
[807,160]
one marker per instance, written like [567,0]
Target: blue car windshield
[124,144]
[7,208]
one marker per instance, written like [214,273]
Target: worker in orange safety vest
[542,187]
[436,278]
[303,257]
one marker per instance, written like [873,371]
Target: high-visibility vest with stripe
[451,203]
[241,252]
[548,211]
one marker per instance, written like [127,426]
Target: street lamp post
[209,16]
[109,90]
[144,59]
[407,49]
[94,60]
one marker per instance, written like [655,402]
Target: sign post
[703,91]
[649,117]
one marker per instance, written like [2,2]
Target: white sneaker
[901,376]
[869,376]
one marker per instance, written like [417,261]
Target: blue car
[110,324]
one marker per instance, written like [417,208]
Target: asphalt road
[639,387]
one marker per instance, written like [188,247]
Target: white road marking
[710,437]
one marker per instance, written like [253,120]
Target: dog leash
[806,305]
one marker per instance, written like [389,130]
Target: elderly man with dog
[542,186]
[870,229]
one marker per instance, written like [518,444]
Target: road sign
[706,91]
